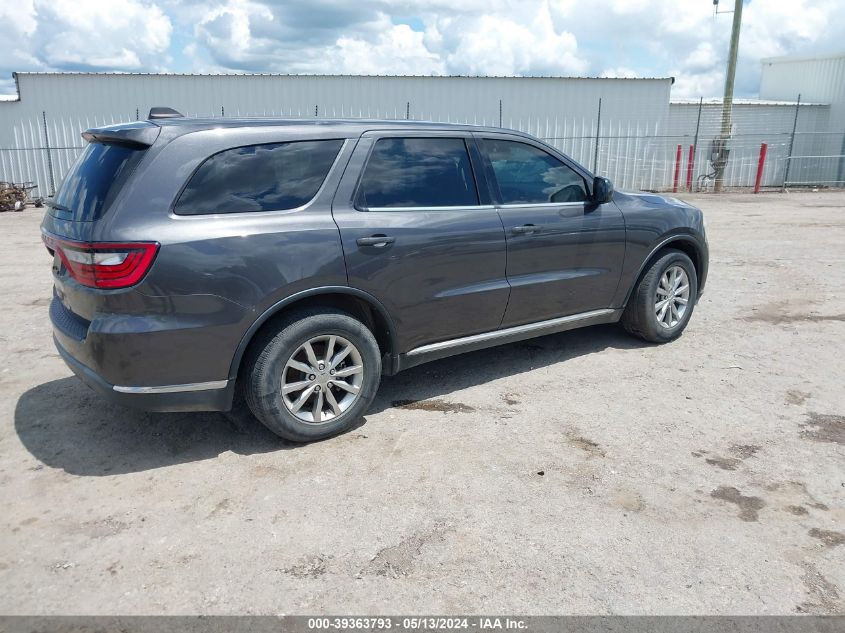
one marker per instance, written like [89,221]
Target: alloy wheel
[322,379]
[672,297]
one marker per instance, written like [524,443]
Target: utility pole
[720,149]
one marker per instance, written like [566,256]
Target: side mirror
[602,190]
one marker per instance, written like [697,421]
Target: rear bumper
[208,396]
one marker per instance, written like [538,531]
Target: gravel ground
[582,473]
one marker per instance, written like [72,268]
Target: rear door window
[528,175]
[94,181]
[268,177]
[418,172]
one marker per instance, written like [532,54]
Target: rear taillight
[104,264]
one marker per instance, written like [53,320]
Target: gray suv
[292,263]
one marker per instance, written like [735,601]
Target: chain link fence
[674,153]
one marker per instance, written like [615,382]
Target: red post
[690,164]
[677,170]
[760,164]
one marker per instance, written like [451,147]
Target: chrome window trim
[518,329]
[193,386]
[488,207]
[540,205]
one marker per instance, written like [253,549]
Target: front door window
[528,175]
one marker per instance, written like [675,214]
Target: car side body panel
[175,340]
[652,222]
[563,258]
[213,277]
[444,274]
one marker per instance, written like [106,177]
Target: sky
[599,38]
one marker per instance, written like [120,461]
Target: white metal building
[753,122]
[632,138]
[54,108]
[820,79]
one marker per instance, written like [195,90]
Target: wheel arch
[357,302]
[683,242]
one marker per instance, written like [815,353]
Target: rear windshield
[94,181]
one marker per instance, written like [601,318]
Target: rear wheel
[314,376]
[662,303]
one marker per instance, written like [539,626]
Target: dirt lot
[577,473]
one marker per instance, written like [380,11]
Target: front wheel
[314,376]
[662,303]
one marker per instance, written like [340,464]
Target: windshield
[94,181]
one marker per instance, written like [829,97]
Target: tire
[280,355]
[641,315]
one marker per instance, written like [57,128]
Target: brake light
[104,264]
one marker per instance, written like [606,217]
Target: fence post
[698,122]
[791,145]
[407,110]
[677,169]
[598,132]
[695,140]
[49,154]
[500,113]
[690,164]
[839,176]
[761,163]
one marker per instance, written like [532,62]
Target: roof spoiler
[138,135]
[161,112]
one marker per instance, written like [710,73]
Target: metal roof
[751,102]
[235,74]
[801,58]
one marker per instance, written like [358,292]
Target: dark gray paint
[449,273]
[563,258]
[443,277]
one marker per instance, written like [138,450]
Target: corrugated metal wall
[820,79]
[752,123]
[564,111]
[638,132]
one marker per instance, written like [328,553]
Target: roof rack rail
[160,112]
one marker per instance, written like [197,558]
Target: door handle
[527,229]
[378,241]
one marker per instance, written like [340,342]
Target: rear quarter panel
[216,274]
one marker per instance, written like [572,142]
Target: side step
[433,351]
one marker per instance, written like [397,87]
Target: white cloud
[626,38]
[17,24]
[700,74]
[398,50]
[248,35]
[226,32]
[122,35]
[114,35]
[19,16]
[516,44]
[620,72]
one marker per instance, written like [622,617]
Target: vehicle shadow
[65,425]
[440,378]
